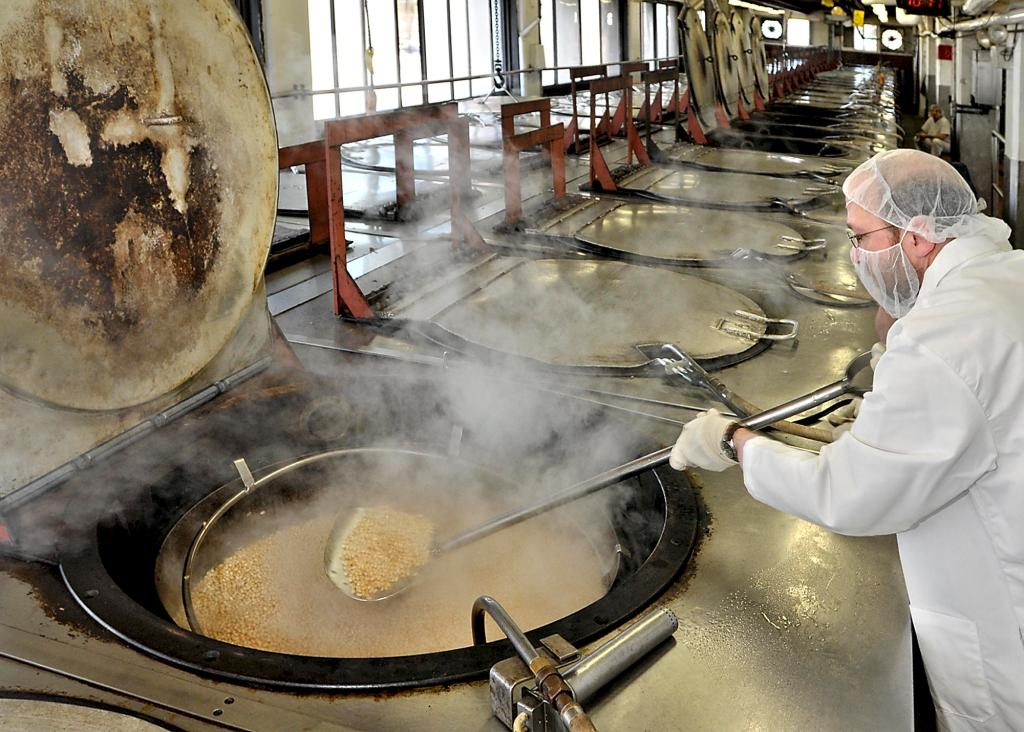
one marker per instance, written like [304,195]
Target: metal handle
[799,244]
[609,660]
[819,396]
[733,329]
[580,490]
[795,406]
[816,190]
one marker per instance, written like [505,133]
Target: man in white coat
[936,453]
[933,136]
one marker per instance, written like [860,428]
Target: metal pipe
[518,639]
[965,26]
[606,662]
[550,684]
[420,82]
[104,450]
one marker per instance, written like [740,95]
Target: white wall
[819,30]
[286,34]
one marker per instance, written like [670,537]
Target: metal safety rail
[313,157]
[653,109]
[405,126]
[579,80]
[548,136]
[652,112]
[998,153]
[600,174]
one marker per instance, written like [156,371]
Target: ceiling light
[756,8]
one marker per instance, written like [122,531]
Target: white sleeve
[920,440]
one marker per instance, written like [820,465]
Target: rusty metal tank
[138,184]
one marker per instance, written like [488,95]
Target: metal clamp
[732,328]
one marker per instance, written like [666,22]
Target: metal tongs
[684,366]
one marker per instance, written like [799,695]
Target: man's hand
[700,443]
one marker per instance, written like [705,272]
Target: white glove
[700,443]
[877,351]
[846,413]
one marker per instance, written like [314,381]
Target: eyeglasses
[855,238]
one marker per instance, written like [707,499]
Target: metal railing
[301,92]
[998,149]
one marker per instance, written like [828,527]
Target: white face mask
[888,276]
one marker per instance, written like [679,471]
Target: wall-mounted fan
[892,39]
[771,29]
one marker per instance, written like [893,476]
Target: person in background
[933,136]
[936,452]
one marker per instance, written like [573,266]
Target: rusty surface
[91,238]
[137,192]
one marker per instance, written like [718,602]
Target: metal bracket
[244,473]
[739,329]
[560,649]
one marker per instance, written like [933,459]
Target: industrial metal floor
[783,625]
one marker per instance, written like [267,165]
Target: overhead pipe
[966,26]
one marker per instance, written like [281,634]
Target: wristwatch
[727,448]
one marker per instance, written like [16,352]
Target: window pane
[435,30]
[321,58]
[381,35]
[660,19]
[647,30]
[567,22]
[590,23]
[352,103]
[798,32]
[460,46]
[409,51]
[611,42]
[547,38]
[673,31]
[348,36]
[480,32]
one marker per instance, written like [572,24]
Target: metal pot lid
[763,163]
[29,714]
[760,58]
[594,314]
[726,64]
[735,189]
[138,184]
[665,231]
[699,71]
[742,47]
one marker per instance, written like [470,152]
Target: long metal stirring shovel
[344,525]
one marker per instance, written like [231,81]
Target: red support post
[311,155]
[549,136]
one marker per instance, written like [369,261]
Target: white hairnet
[921,193]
